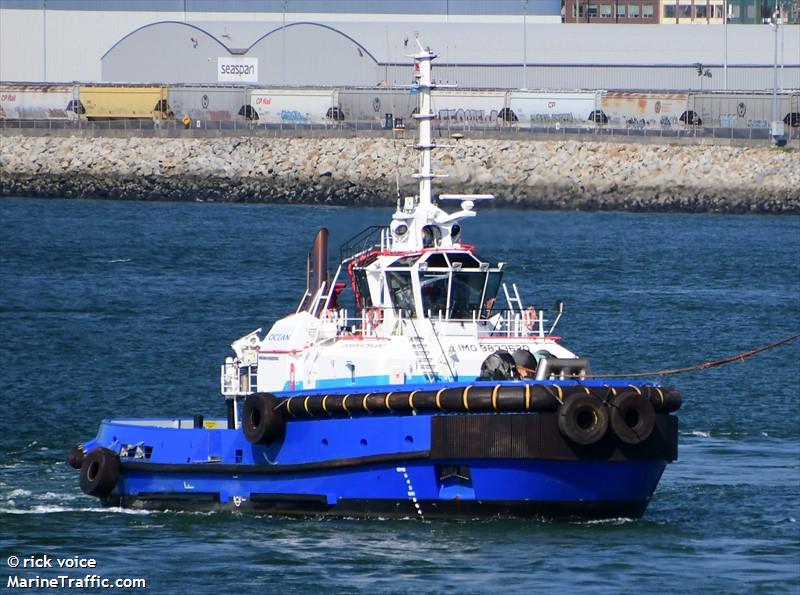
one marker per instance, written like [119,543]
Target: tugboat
[437,393]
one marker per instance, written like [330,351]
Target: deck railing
[370,324]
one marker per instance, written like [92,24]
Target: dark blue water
[112,308]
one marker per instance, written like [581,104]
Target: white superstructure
[427,309]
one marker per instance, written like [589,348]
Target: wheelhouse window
[433,288]
[466,292]
[363,297]
[401,291]
[490,295]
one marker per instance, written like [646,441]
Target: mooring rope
[739,357]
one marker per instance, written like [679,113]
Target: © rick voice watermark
[51,577]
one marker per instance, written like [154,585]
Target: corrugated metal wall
[639,77]
[134,46]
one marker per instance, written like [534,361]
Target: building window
[717,11]
[734,11]
[592,11]
[647,11]
[633,11]
[700,11]
[621,10]
[685,11]
[669,11]
[605,11]
[750,12]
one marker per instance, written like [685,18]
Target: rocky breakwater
[361,171]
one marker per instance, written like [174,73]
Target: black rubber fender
[75,456]
[99,472]
[583,419]
[263,420]
[665,399]
[633,417]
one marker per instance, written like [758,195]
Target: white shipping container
[289,106]
[547,108]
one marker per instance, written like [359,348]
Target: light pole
[725,27]
[777,135]
[44,40]
[525,45]
[283,43]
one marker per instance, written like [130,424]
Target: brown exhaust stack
[319,260]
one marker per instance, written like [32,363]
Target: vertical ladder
[515,310]
[423,360]
[513,301]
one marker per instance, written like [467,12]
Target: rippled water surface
[113,308]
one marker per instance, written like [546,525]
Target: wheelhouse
[440,285]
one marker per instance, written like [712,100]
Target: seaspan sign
[237,70]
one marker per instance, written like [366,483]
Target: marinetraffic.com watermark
[43,571]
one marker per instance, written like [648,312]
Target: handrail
[510,324]
[441,350]
[421,341]
[360,242]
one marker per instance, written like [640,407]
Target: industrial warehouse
[517,63]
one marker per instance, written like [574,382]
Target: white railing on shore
[374,128]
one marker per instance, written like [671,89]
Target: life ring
[374,317]
[529,318]
[583,419]
[263,422]
[99,472]
[632,417]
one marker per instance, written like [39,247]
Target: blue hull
[393,465]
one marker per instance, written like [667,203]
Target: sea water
[127,309]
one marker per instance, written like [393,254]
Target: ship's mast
[424,84]
[419,223]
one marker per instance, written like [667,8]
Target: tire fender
[99,472]
[262,421]
[75,456]
[632,417]
[583,419]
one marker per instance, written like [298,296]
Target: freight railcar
[294,106]
[109,102]
[468,107]
[746,110]
[210,103]
[373,105]
[35,101]
[647,110]
[546,108]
